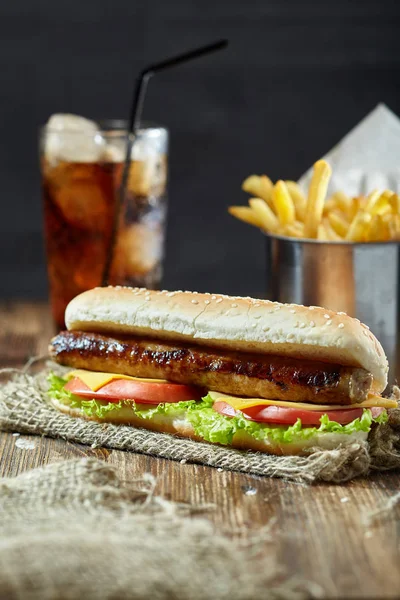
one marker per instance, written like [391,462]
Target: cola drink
[81,165]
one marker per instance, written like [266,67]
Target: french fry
[378,230]
[246,214]
[283,203]
[264,214]
[359,227]
[361,202]
[330,232]
[343,202]
[373,198]
[299,199]
[375,233]
[295,229]
[330,204]
[322,233]
[259,186]
[394,227]
[353,210]
[394,202]
[316,198]
[338,223]
[379,203]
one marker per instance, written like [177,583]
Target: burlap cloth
[24,408]
[73,531]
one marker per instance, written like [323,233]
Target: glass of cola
[81,165]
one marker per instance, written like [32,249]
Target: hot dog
[241,374]
[265,363]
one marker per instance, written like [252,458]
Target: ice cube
[83,193]
[138,250]
[72,138]
[148,177]
[114,152]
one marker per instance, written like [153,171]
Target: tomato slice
[141,391]
[289,416]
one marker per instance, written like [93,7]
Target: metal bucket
[361,279]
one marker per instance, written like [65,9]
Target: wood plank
[319,532]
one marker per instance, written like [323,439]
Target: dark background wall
[297,76]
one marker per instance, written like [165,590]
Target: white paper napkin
[368,157]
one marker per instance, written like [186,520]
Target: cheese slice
[242,403]
[95,381]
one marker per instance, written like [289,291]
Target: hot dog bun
[241,440]
[233,323]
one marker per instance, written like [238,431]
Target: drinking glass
[81,166]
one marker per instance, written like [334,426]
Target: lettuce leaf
[207,423]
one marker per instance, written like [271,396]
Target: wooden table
[319,531]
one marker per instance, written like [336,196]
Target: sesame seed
[310,308]
[340,325]
[214,298]
[254,325]
[195,292]
[312,324]
[326,317]
[257,305]
[195,301]
[341,313]
[219,300]
[206,301]
[302,325]
[277,308]
[234,305]
[265,328]
[147,299]
[329,322]
[293,311]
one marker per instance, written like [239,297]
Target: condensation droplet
[249,490]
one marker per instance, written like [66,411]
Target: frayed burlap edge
[24,408]
[75,530]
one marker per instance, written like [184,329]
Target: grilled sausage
[238,373]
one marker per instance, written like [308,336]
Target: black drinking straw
[134,124]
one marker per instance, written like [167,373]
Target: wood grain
[318,532]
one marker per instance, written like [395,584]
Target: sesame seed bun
[233,323]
